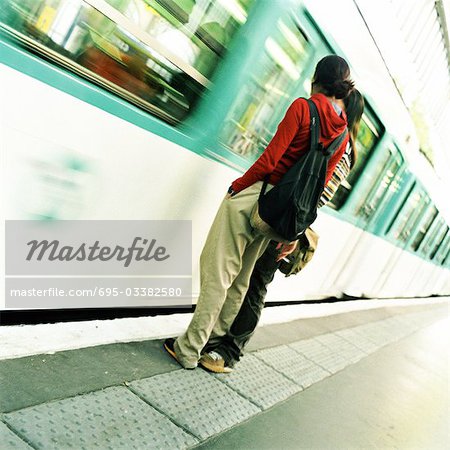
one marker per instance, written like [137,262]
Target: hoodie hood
[331,124]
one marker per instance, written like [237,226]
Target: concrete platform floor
[398,398]
[359,380]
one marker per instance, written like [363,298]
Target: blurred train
[148,109]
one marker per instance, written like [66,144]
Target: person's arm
[267,162]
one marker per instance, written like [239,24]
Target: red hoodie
[292,139]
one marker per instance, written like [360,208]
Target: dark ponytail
[354,109]
[332,77]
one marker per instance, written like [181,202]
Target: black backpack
[290,207]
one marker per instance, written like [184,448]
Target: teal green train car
[148,109]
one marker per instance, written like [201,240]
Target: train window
[384,183]
[431,237]
[368,136]
[158,55]
[436,239]
[425,225]
[444,245]
[197,32]
[408,217]
[262,100]
[446,258]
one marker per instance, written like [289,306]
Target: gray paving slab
[320,354]
[260,383]
[293,365]
[400,326]
[195,401]
[418,321]
[111,419]
[414,319]
[383,333]
[358,338]
[338,345]
[10,440]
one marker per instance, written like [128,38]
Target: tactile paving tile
[113,419]
[195,400]
[338,345]
[415,321]
[399,329]
[320,354]
[259,383]
[384,332]
[430,317]
[293,365]
[403,325]
[357,337]
[10,441]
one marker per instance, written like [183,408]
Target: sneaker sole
[171,352]
[215,369]
[174,356]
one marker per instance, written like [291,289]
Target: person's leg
[235,295]
[220,264]
[238,289]
[231,344]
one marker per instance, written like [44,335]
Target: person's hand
[285,249]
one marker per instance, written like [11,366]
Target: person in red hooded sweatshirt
[233,246]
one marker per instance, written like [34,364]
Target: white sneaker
[214,362]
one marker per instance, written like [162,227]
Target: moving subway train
[147,109]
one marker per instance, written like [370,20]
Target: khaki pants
[226,264]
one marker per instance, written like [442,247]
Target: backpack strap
[336,143]
[264,186]
[315,133]
[314,126]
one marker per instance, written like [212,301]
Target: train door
[345,234]
[442,283]
[369,255]
[435,283]
[400,230]
[425,277]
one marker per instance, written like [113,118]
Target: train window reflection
[368,135]
[443,248]
[379,188]
[387,187]
[159,57]
[198,32]
[425,225]
[445,256]
[446,260]
[408,217]
[417,213]
[263,99]
[434,238]
[439,241]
